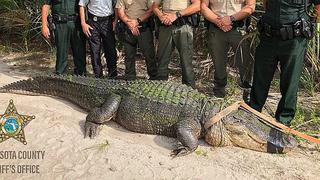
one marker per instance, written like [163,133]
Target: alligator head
[243,129]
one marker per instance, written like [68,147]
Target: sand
[120,154]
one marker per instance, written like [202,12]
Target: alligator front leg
[100,115]
[188,132]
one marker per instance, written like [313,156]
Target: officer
[67,32]
[176,30]
[227,26]
[137,30]
[284,31]
[99,30]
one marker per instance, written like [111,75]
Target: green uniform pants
[146,44]
[290,54]
[180,37]
[219,44]
[66,35]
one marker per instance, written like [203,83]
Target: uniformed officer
[227,26]
[99,30]
[284,31]
[176,30]
[135,16]
[68,32]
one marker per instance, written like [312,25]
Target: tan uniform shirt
[173,5]
[134,8]
[226,7]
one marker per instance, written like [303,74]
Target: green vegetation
[20,23]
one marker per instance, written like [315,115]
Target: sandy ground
[119,154]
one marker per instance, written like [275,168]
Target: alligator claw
[90,129]
[180,151]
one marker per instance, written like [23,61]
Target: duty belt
[58,18]
[99,18]
[301,27]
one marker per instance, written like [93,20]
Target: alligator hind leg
[188,132]
[97,116]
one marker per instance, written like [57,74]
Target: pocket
[128,2]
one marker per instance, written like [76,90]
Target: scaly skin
[156,107]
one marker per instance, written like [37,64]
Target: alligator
[161,108]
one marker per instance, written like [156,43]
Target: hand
[45,32]
[133,26]
[226,21]
[169,18]
[218,22]
[163,18]
[226,28]
[86,29]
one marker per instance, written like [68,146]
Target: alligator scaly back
[90,92]
[59,86]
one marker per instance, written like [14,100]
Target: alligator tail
[41,85]
[26,87]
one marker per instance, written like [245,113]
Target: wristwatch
[139,21]
[178,14]
[232,19]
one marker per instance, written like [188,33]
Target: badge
[12,124]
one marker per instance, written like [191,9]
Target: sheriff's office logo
[12,124]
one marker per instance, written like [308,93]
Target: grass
[306,121]
[102,147]
[201,152]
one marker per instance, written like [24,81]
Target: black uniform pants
[102,34]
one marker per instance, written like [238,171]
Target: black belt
[287,31]
[99,18]
[57,18]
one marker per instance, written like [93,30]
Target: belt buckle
[95,18]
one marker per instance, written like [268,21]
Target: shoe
[219,93]
[246,95]
[113,75]
[245,84]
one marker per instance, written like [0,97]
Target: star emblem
[12,124]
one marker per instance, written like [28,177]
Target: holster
[195,20]
[52,28]
[120,30]
[308,28]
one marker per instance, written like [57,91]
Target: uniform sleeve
[316,2]
[83,2]
[120,4]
